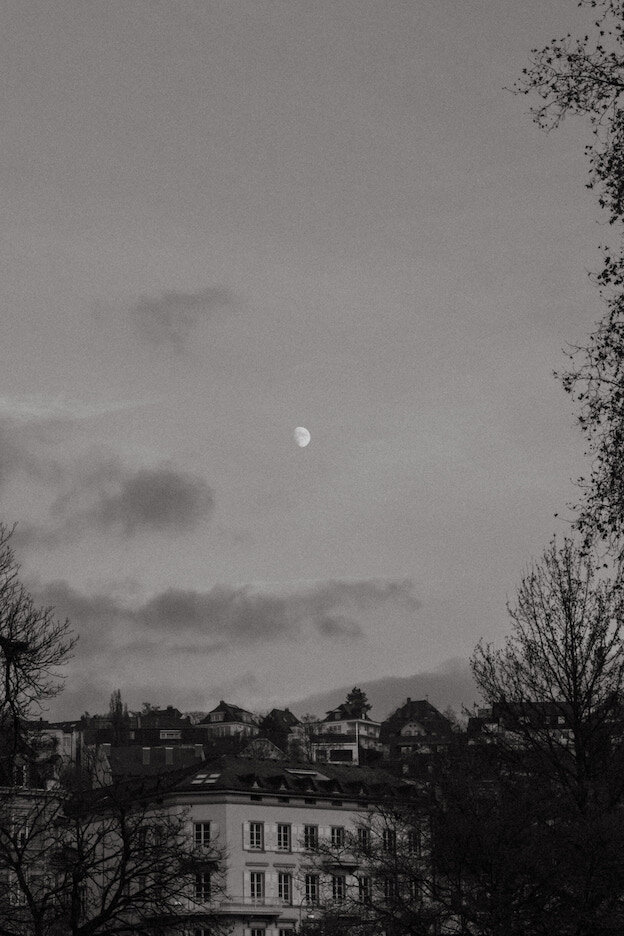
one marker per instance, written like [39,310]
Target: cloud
[60,408]
[158,499]
[208,621]
[108,496]
[244,614]
[23,451]
[168,320]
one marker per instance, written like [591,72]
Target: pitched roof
[418,710]
[232,713]
[329,781]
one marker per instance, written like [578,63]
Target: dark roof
[329,781]
[127,760]
[283,717]
[421,711]
[231,712]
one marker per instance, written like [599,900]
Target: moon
[302,436]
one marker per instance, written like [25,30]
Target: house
[510,721]
[346,735]
[416,727]
[228,720]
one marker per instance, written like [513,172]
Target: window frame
[203,886]
[200,837]
[257,886]
[284,888]
[337,836]
[256,836]
[339,888]
[310,837]
[284,837]
[312,889]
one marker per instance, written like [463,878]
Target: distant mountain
[450,684]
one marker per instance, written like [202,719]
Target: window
[283,837]
[364,839]
[286,931]
[390,888]
[202,885]
[201,833]
[256,836]
[256,886]
[415,889]
[337,836]
[413,841]
[20,775]
[310,836]
[170,734]
[284,887]
[339,887]
[364,889]
[311,888]
[257,931]
[389,840]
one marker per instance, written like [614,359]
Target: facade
[269,817]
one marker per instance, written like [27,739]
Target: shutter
[246,836]
[270,887]
[214,831]
[246,887]
[270,836]
[324,833]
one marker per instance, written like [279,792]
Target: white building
[269,817]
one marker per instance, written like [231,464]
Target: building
[415,728]
[269,816]
[228,720]
[346,735]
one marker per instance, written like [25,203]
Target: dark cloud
[195,621]
[109,496]
[241,613]
[169,320]
[154,499]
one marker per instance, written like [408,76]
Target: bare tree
[565,656]
[34,646]
[119,860]
[377,876]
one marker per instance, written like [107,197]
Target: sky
[223,219]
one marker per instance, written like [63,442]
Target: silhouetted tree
[585,76]
[34,646]
[119,717]
[115,860]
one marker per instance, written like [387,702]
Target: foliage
[585,76]
[357,704]
[119,718]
